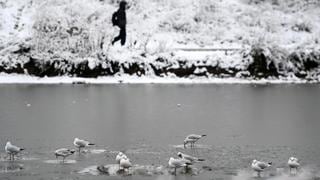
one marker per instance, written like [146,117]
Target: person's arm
[114,19]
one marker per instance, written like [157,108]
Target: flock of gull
[183,160]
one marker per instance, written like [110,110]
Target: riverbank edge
[27,79]
[255,65]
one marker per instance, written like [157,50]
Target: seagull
[293,163]
[12,150]
[177,163]
[125,163]
[192,139]
[190,159]
[64,152]
[80,143]
[260,166]
[119,156]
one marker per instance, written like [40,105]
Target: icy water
[149,123]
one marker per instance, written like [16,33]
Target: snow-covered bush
[302,26]
[179,21]
[75,26]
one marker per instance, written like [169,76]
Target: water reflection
[10,167]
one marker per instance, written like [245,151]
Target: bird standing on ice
[12,150]
[125,163]
[189,158]
[259,166]
[293,163]
[192,139]
[80,143]
[64,152]
[177,163]
[119,156]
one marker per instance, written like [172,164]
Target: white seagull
[260,166]
[177,163]
[12,150]
[125,163]
[293,163]
[188,158]
[192,139]
[119,156]
[80,143]
[64,152]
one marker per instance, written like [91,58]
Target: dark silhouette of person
[119,19]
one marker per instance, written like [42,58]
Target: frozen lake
[149,123]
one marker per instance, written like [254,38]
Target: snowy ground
[287,32]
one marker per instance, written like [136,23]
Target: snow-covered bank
[244,64]
[273,39]
[25,79]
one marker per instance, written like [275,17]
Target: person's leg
[117,38]
[123,35]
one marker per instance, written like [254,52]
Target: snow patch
[66,161]
[25,79]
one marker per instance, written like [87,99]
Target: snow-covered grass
[78,30]
[79,26]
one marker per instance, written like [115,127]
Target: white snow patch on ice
[67,161]
[25,79]
[91,170]
[97,151]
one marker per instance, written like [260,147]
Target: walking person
[119,19]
